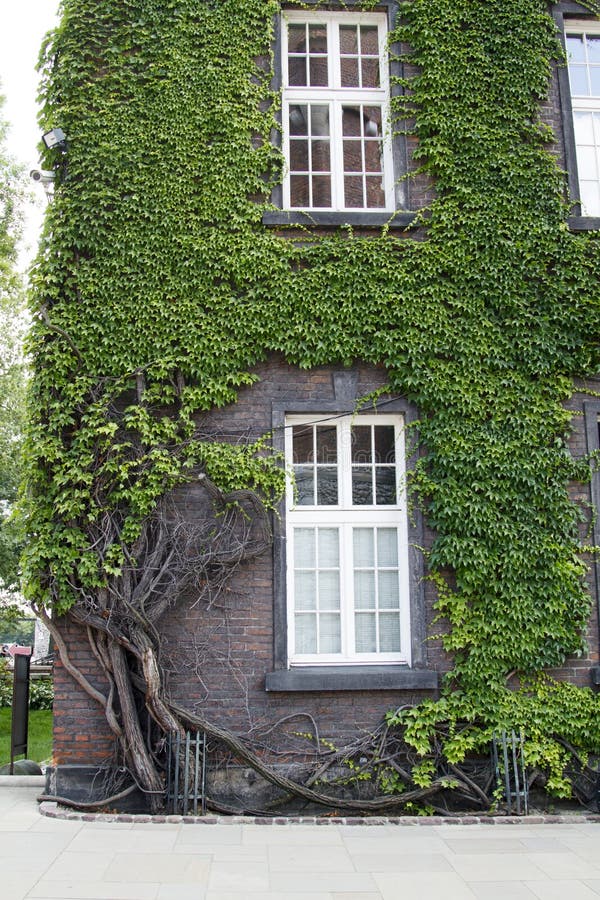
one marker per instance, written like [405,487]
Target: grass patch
[40,735]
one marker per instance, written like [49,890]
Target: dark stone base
[88,784]
[232,789]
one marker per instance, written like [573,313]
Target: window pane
[297,38]
[329,547]
[593,48]
[385,485]
[304,488]
[584,128]
[304,548]
[389,633]
[364,590]
[305,584]
[353,192]
[575,50]
[306,633]
[299,156]
[351,121]
[320,156]
[297,71]
[348,39]
[364,553]
[586,163]
[302,436]
[298,119]
[319,121]
[375,194]
[361,444]
[578,77]
[389,596]
[372,119]
[318,38]
[365,632]
[321,186]
[299,195]
[385,444]
[362,486]
[349,71]
[329,633]
[318,71]
[326,444]
[329,590]
[595,80]
[353,156]
[387,546]
[327,489]
[370,73]
[590,198]
[369,42]
[373,160]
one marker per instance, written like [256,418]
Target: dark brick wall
[217,658]
[81,734]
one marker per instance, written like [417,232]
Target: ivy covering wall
[157,289]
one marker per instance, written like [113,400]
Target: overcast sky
[23,24]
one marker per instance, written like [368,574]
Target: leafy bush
[6,681]
[41,693]
[41,690]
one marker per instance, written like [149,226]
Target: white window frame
[585,103]
[336,97]
[345,517]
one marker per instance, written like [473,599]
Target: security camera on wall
[42,175]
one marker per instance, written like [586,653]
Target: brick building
[336,625]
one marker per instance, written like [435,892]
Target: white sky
[23,24]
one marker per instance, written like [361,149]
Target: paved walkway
[49,858]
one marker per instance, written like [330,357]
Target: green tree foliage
[158,290]
[12,369]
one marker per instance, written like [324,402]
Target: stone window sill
[337,219]
[351,678]
[583,223]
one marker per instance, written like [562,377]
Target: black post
[20,708]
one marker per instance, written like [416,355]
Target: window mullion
[336,156]
[334,55]
[376,589]
[291,594]
[346,542]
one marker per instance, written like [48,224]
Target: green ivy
[155,266]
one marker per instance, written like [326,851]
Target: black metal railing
[509,763]
[186,773]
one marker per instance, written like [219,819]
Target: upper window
[583,50]
[347,540]
[336,112]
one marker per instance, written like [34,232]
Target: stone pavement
[47,858]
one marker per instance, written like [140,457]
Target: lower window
[347,540]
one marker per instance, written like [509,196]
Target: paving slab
[85,858]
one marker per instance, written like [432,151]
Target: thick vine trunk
[123,623]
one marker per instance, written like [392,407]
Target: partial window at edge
[583,53]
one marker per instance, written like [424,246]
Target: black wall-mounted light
[55,140]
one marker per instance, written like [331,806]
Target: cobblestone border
[55,811]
